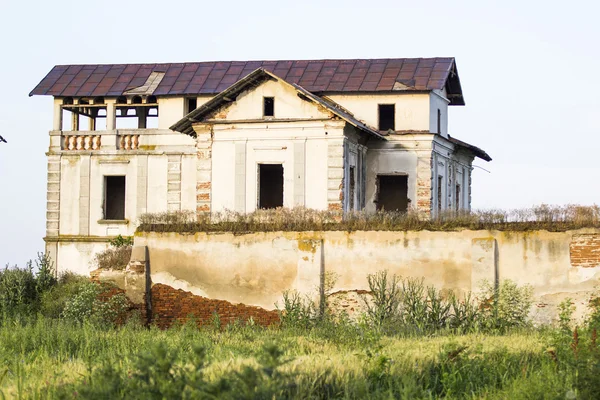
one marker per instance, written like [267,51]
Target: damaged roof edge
[474,149]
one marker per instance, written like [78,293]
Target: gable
[287,104]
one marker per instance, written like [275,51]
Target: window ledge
[113,221]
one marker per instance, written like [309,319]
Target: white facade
[328,160]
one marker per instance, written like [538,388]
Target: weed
[551,218]
[566,308]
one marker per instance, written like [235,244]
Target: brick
[585,250]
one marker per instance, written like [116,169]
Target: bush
[114,258]
[506,306]
[386,298]
[408,306]
[21,289]
[53,301]
[117,256]
[87,305]
[297,311]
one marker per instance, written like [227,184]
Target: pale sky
[529,72]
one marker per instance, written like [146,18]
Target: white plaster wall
[188,182]
[170,110]
[223,175]
[256,268]
[315,188]
[390,162]
[412,109]
[438,101]
[78,257]
[69,195]
[249,105]
[157,183]
[275,152]
[397,155]
[272,140]
[111,166]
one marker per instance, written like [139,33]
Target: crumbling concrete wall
[255,268]
[164,305]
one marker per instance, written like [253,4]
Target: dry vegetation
[543,217]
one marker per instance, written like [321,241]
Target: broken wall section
[164,305]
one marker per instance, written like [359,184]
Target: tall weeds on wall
[551,218]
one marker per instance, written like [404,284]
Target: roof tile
[213,77]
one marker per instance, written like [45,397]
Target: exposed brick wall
[585,250]
[204,171]
[424,185]
[171,305]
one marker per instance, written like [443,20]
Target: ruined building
[334,134]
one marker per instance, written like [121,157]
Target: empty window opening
[67,120]
[114,197]
[392,193]
[270,185]
[269,106]
[439,192]
[352,187]
[101,119]
[136,115]
[439,121]
[387,117]
[125,118]
[83,116]
[457,199]
[191,103]
[152,118]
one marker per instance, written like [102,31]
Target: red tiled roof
[375,75]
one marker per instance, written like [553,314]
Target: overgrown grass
[76,350]
[46,358]
[544,217]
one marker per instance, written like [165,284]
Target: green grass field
[45,358]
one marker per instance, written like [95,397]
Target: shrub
[87,305]
[386,297]
[121,241]
[297,311]
[18,291]
[21,289]
[593,320]
[566,308]
[408,306]
[114,258]
[507,305]
[53,301]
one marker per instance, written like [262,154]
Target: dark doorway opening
[392,192]
[270,185]
[114,197]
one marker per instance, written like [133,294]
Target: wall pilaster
[204,168]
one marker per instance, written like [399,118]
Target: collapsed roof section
[210,78]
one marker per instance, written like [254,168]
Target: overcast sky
[529,72]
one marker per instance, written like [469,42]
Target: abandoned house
[209,136]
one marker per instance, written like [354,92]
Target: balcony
[119,141]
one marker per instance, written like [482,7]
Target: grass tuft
[543,217]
